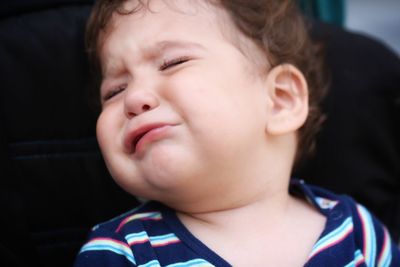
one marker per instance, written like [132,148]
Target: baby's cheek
[101,132]
[109,126]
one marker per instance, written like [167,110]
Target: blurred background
[53,183]
[377,19]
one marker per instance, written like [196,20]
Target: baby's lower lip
[151,136]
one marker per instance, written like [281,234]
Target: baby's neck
[270,209]
[264,230]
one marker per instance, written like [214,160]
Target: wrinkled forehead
[140,8]
[162,19]
[212,10]
[178,5]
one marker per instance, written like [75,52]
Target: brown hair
[276,26]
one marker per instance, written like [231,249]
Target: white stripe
[386,258]
[153,263]
[357,257]
[163,239]
[97,246]
[333,236]
[192,263]
[370,238]
[137,237]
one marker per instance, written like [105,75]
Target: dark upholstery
[358,150]
[53,182]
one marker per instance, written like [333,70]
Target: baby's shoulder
[350,227]
[341,210]
[112,241]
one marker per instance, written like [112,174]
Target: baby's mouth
[136,141]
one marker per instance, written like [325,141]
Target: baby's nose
[137,102]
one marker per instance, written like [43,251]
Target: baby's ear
[288,95]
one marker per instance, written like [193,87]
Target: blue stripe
[326,239]
[370,259]
[388,259]
[162,237]
[135,236]
[191,263]
[385,257]
[153,263]
[357,256]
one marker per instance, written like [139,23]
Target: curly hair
[275,26]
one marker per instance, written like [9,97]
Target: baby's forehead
[186,10]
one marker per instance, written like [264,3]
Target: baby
[206,105]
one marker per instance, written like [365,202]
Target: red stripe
[126,220]
[364,229]
[332,244]
[385,244]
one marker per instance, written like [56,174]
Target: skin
[224,139]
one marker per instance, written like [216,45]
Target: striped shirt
[152,235]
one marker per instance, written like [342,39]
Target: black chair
[53,183]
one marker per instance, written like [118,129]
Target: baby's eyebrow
[178,44]
[113,68]
[165,45]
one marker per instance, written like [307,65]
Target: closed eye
[167,64]
[114,92]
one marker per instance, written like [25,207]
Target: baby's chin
[158,185]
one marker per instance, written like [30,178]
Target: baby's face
[182,107]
